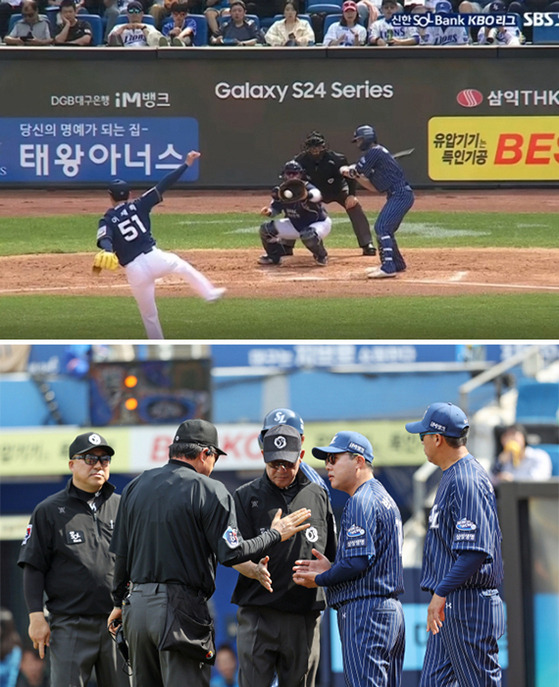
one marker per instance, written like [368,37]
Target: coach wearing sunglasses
[65,555]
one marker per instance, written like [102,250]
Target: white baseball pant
[287,231]
[146,268]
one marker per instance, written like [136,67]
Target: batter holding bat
[304,218]
[462,562]
[378,170]
[125,237]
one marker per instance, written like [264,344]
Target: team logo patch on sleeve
[355,537]
[231,537]
[355,531]
[27,534]
[465,530]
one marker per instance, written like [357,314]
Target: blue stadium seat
[553,450]
[332,7]
[97,28]
[331,19]
[537,402]
[147,19]
[201,37]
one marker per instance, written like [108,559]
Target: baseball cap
[497,6]
[441,418]
[346,441]
[281,442]
[85,442]
[349,5]
[199,432]
[120,190]
[443,6]
[389,2]
[134,5]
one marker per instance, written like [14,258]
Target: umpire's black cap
[199,432]
[85,442]
[119,190]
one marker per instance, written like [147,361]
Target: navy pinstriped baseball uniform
[370,617]
[386,175]
[464,518]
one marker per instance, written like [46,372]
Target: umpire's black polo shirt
[69,544]
[324,173]
[173,526]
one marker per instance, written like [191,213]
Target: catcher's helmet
[365,135]
[281,416]
[119,190]
[292,169]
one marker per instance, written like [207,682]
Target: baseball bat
[403,153]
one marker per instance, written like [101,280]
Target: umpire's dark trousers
[271,641]
[144,620]
[80,643]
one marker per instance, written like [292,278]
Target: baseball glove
[104,261]
[292,191]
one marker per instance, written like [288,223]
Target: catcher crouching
[305,218]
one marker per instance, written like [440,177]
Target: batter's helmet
[366,135]
[314,140]
[281,416]
[119,190]
[292,169]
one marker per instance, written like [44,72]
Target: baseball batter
[462,564]
[305,218]
[125,237]
[366,578]
[322,168]
[383,173]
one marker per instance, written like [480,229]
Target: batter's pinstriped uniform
[464,518]
[386,175]
[370,617]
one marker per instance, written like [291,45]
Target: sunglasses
[422,435]
[91,459]
[278,464]
[134,10]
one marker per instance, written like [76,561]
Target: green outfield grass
[510,316]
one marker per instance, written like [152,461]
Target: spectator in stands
[290,30]
[32,670]
[110,15]
[10,649]
[238,30]
[7,8]
[517,460]
[32,29]
[72,31]
[161,11]
[382,32]
[502,35]
[347,31]
[368,11]
[179,29]
[134,33]
[226,666]
[214,10]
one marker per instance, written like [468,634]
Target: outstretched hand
[192,156]
[292,523]
[305,571]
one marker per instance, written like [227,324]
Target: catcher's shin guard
[314,243]
[269,238]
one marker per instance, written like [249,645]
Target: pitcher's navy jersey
[302,214]
[381,169]
[128,226]
[371,526]
[463,518]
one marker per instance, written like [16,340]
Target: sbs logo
[469,97]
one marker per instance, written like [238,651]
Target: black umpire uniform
[174,525]
[288,619]
[322,168]
[65,554]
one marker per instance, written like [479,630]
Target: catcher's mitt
[292,191]
[104,260]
